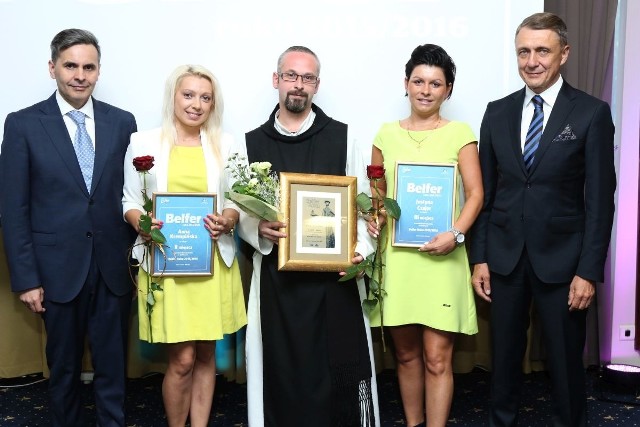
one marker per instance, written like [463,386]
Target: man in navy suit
[546,153]
[61,178]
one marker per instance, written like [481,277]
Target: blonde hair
[212,128]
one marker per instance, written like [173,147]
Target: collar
[549,96]
[306,124]
[65,107]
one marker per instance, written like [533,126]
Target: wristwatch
[458,236]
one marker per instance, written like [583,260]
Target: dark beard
[296,105]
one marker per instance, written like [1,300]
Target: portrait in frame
[321,215]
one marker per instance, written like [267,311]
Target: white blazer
[148,143]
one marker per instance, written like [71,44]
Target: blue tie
[84,147]
[534,133]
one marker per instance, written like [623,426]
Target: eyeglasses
[307,79]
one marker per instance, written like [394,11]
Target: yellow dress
[192,308]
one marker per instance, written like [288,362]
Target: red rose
[375,171]
[143,163]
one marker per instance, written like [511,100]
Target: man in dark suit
[61,178]
[546,153]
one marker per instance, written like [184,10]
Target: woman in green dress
[429,295]
[190,313]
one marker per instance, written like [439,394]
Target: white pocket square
[566,134]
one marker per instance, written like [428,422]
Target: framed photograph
[321,214]
[426,193]
[189,249]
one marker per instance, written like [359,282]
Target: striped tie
[84,147]
[534,133]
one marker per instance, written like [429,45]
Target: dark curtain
[591,25]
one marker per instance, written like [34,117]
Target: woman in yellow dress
[429,295]
[190,313]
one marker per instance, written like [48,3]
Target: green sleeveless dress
[434,291]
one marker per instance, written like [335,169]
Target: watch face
[460,238]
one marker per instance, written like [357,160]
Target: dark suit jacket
[562,209]
[51,225]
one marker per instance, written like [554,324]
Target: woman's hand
[374,226]
[155,224]
[133,218]
[441,244]
[218,225]
[373,229]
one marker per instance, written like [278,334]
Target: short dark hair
[302,49]
[433,55]
[71,37]
[546,21]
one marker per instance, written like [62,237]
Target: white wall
[362,44]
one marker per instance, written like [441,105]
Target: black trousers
[564,334]
[102,317]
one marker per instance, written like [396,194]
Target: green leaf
[145,223]
[369,270]
[156,287]
[373,285]
[255,207]
[157,236]
[368,305]
[148,203]
[364,202]
[392,207]
[238,187]
[351,272]
[150,299]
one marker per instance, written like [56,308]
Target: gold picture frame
[321,215]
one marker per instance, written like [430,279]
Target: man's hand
[33,299]
[581,293]
[481,281]
[271,230]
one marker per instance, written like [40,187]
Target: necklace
[420,141]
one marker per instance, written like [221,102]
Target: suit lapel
[561,109]
[54,126]
[514,120]
[104,140]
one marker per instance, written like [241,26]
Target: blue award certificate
[189,249]
[426,195]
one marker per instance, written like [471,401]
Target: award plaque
[321,234]
[189,249]
[426,194]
